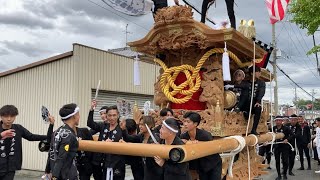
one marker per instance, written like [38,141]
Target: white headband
[278,119]
[239,70]
[102,110]
[170,128]
[76,110]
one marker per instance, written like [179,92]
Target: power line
[294,44]
[294,81]
[305,42]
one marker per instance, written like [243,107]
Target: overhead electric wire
[294,81]
[294,44]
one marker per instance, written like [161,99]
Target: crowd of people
[66,162]
[300,138]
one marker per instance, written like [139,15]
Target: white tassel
[226,64]
[136,72]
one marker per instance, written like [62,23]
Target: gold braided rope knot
[170,89]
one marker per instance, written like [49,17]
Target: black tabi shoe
[291,174]
[301,168]
[269,167]
[279,178]
[285,177]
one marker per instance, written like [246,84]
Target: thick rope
[273,137]
[292,148]
[251,102]
[271,117]
[255,138]
[193,82]
[296,149]
[233,153]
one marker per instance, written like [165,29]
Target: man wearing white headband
[295,132]
[165,113]
[240,87]
[113,165]
[65,144]
[281,150]
[97,158]
[171,170]
[103,113]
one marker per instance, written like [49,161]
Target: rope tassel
[226,64]
[136,72]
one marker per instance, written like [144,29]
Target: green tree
[302,104]
[306,14]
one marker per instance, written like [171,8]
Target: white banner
[131,7]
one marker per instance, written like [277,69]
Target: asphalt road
[299,175]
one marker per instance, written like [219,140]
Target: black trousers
[257,114]
[97,172]
[7,176]
[230,9]
[85,170]
[292,157]
[304,148]
[315,154]
[281,151]
[265,151]
[84,177]
[158,4]
[137,172]
[213,174]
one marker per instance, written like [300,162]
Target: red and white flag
[277,9]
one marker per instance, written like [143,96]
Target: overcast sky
[32,30]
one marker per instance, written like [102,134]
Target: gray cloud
[3,66]
[3,52]
[54,9]
[83,17]
[24,19]
[31,50]
[93,27]
[84,22]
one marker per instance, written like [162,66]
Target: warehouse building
[72,77]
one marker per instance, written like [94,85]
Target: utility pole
[296,100]
[274,65]
[312,93]
[127,32]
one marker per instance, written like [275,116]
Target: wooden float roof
[204,37]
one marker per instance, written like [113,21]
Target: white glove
[228,86]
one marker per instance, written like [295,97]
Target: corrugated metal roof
[38,63]
[125,51]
